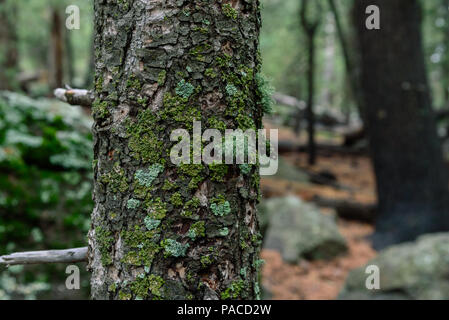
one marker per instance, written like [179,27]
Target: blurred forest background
[325,184]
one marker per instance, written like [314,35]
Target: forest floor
[322,279]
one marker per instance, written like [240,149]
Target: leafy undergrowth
[45,186]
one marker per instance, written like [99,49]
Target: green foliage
[12,287]
[45,181]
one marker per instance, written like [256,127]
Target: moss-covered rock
[413,270]
[299,230]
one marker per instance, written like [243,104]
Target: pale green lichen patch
[265,92]
[151,224]
[184,89]
[223,232]
[231,90]
[146,177]
[220,207]
[132,203]
[174,248]
[245,168]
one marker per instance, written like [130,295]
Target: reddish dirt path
[322,279]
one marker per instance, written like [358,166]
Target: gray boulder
[414,270]
[289,172]
[299,230]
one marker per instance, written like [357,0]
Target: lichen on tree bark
[160,231]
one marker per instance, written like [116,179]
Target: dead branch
[49,256]
[77,97]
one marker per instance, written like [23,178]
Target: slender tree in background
[310,22]
[412,179]
[56,55]
[89,76]
[160,231]
[8,46]
[445,8]
[350,65]
[69,58]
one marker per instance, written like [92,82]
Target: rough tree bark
[310,27]
[160,231]
[8,46]
[412,180]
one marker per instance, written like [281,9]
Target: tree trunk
[161,231]
[310,115]
[310,27]
[69,58]
[350,66]
[445,71]
[412,180]
[8,46]
[57,50]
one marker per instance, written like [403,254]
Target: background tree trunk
[56,79]
[348,58]
[310,26]
[69,58]
[8,46]
[412,180]
[445,4]
[160,231]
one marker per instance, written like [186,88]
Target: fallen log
[286,146]
[352,137]
[349,210]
